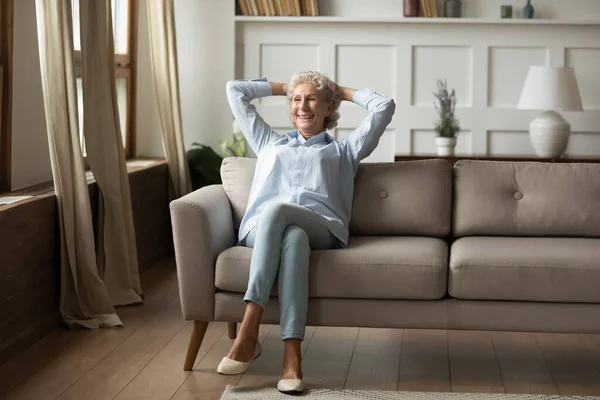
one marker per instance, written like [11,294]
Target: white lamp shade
[550,88]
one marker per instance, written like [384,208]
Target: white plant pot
[549,134]
[445,146]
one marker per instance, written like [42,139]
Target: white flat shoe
[227,366]
[290,386]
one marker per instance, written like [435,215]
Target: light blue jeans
[282,241]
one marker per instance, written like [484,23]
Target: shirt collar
[321,137]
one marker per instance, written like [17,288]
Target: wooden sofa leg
[195,341]
[232,329]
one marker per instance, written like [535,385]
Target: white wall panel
[278,62]
[509,143]
[423,142]
[384,152]
[508,69]
[586,63]
[584,144]
[453,63]
[379,76]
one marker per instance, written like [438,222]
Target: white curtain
[116,247]
[84,300]
[161,22]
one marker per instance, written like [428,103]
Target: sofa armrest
[202,229]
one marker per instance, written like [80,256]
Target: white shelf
[422,20]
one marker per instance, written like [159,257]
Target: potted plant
[204,164]
[447,125]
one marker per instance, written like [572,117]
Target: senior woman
[301,199]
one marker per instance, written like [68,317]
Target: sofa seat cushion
[525,269]
[370,267]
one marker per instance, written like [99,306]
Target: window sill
[46,189]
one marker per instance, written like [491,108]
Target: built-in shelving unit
[421,20]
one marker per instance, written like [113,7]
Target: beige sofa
[482,245]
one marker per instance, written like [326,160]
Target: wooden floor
[144,359]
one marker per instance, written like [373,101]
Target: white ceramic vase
[445,145]
[549,134]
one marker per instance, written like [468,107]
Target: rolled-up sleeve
[239,94]
[364,139]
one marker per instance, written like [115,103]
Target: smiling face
[309,109]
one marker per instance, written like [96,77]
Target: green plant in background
[447,125]
[234,146]
[205,164]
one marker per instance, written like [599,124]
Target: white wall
[30,156]
[148,135]
[555,9]
[205,33]
[206,51]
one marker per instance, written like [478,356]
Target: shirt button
[518,195]
[383,194]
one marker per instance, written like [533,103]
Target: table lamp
[550,89]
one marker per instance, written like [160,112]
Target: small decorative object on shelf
[447,126]
[411,8]
[452,8]
[528,10]
[506,11]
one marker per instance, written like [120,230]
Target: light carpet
[241,393]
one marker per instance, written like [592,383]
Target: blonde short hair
[325,86]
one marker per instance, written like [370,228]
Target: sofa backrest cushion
[526,198]
[402,198]
[412,197]
[237,174]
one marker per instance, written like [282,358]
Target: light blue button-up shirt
[317,173]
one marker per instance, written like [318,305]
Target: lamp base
[549,134]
